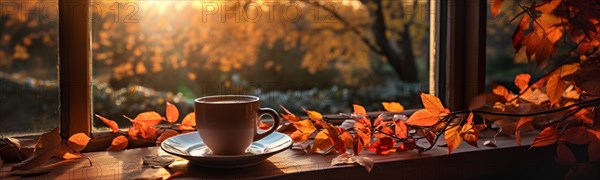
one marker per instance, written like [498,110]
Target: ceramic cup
[227,124]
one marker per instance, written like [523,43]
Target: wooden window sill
[508,160]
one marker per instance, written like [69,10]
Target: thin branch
[346,23]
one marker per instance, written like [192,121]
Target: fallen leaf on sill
[346,158]
[47,145]
[118,143]
[489,143]
[304,146]
[158,161]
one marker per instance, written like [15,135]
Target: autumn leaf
[47,146]
[564,155]
[172,113]
[147,132]
[166,135]
[433,104]
[401,129]
[322,144]
[555,89]
[345,158]
[359,110]
[263,126]
[393,107]
[314,115]
[132,132]
[577,135]
[587,78]
[188,122]
[522,81]
[118,143]
[502,92]
[452,137]
[71,148]
[468,133]
[304,129]
[548,136]
[496,7]
[383,131]
[347,139]
[406,146]
[149,118]
[334,136]
[288,115]
[110,123]
[382,145]
[522,121]
[357,144]
[363,132]
[422,118]
[535,96]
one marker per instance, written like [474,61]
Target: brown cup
[228,123]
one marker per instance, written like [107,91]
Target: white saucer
[190,146]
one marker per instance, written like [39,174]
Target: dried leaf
[48,144]
[452,137]
[382,146]
[172,113]
[423,118]
[166,135]
[188,122]
[433,104]
[393,107]
[565,155]
[548,136]
[522,121]
[118,143]
[345,158]
[110,123]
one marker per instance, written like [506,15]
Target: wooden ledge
[508,160]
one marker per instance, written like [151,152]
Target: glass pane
[292,53]
[28,66]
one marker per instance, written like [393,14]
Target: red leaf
[401,129]
[422,118]
[565,155]
[496,7]
[110,123]
[382,145]
[172,113]
[548,136]
[118,143]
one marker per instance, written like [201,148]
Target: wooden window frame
[457,56]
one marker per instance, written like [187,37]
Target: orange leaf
[118,143]
[502,91]
[401,129]
[298,136]
[78,141]
[166,135]
[522,81]
[289,116]
[188,122]
[386,130]
[548,136]
[305,126]
[577,135]
[132,132]
[555,88]
[263,126]
[110,123]
[548,7]
[565,155]
[346,138]
[382,146]
[522,121]
[314,115]
[363,132]
[433,104]
[334,136]
[422,118]
[146,131]
[496,7]
[406,146]
[468,133]
[359,110]
[452,137]
[172,113]
[393,107]
[149,118]
[321,144]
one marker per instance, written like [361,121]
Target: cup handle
[272,113]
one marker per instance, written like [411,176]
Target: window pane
[291,53]
[28,66]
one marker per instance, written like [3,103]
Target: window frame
[453,51]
